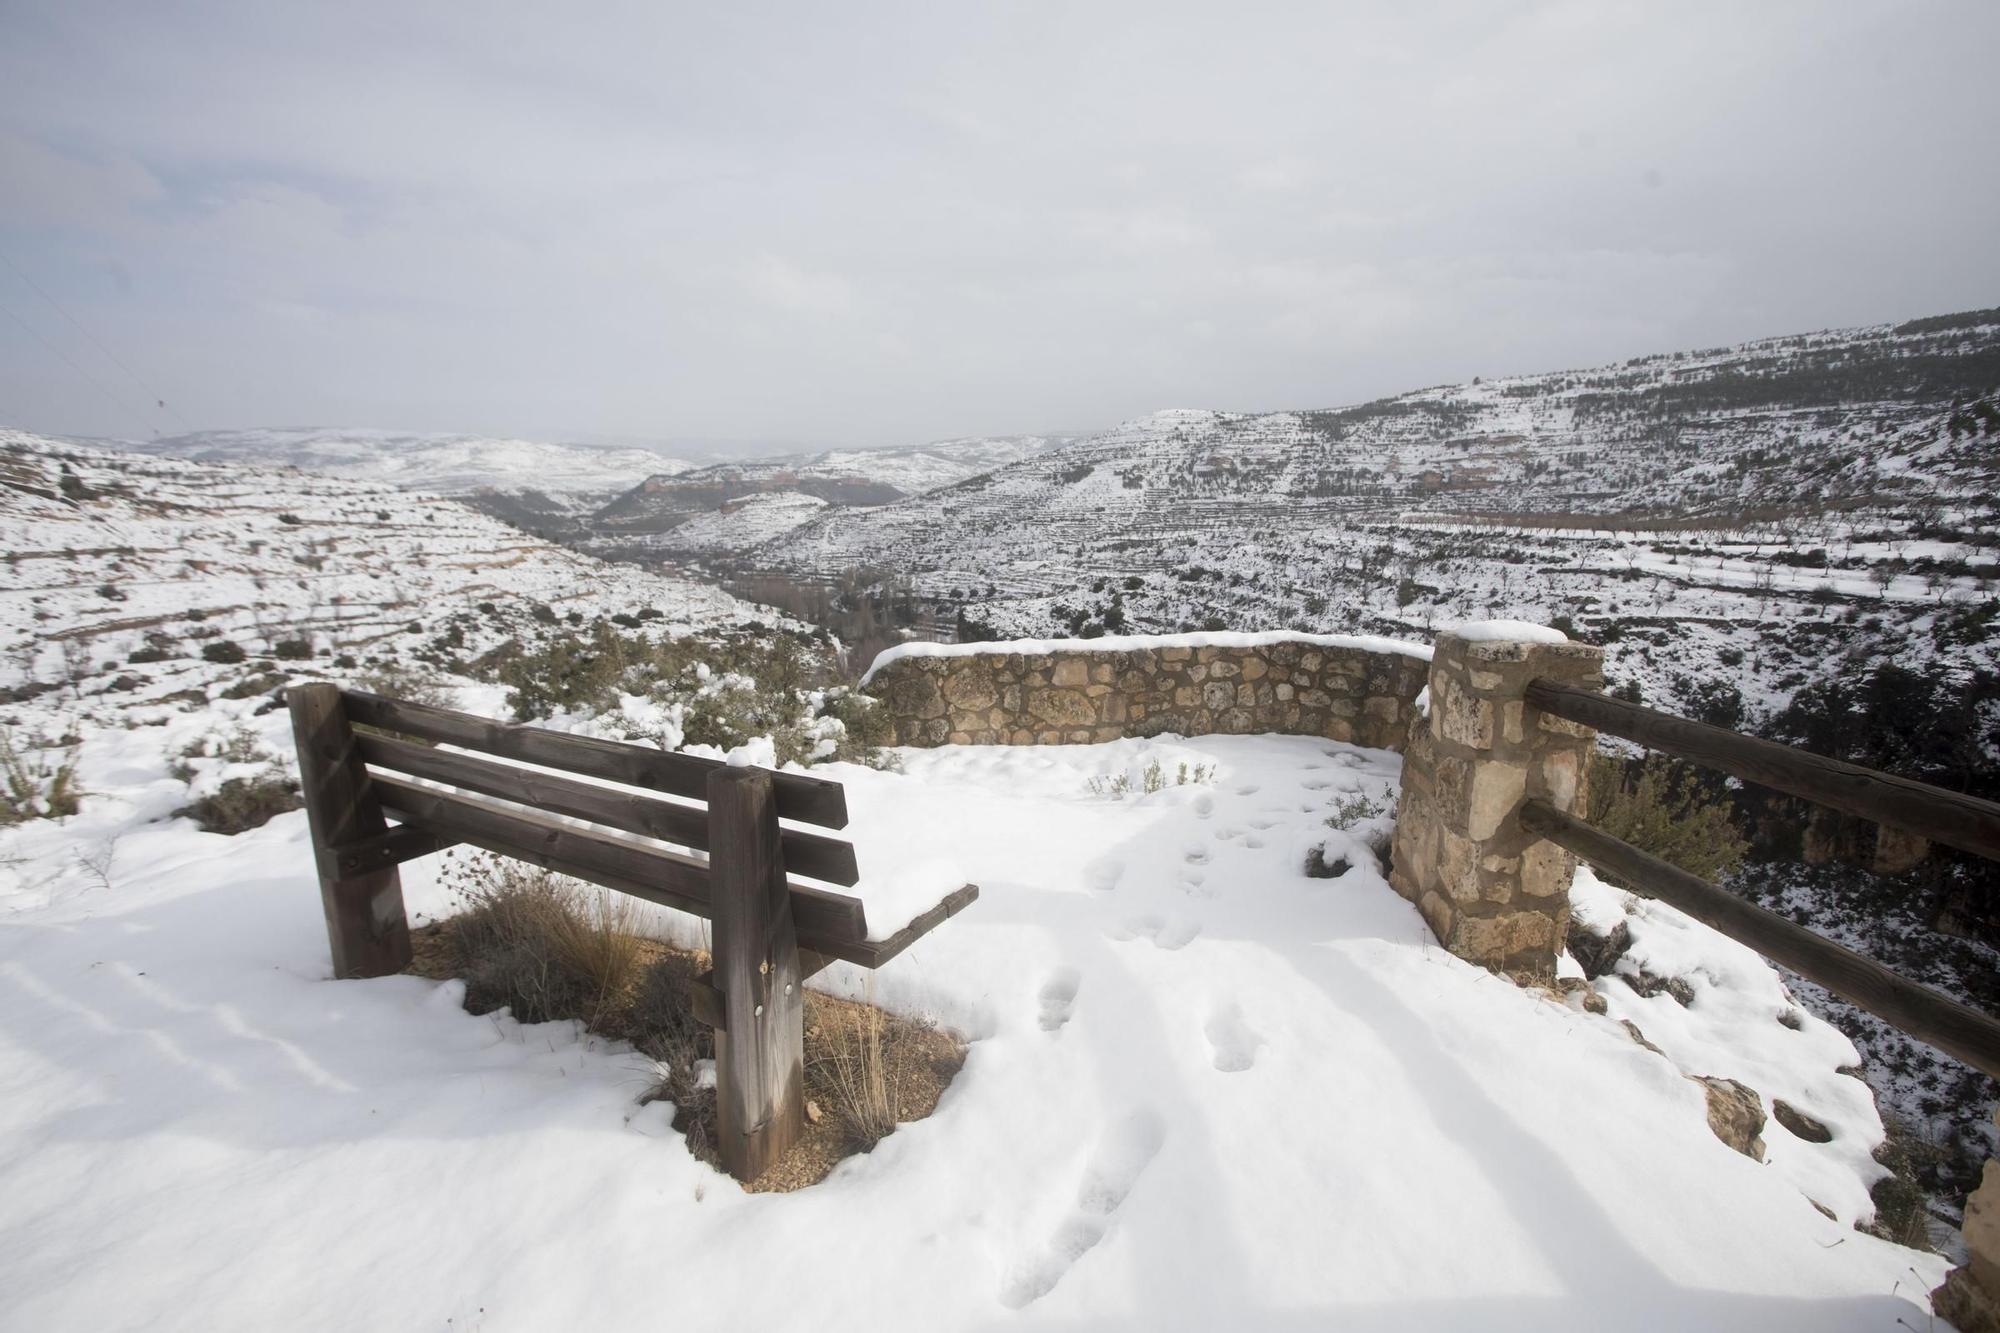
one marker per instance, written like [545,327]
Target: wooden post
[760,1048]
[365,924]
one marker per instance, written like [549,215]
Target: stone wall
[1492,892]
[1356,690]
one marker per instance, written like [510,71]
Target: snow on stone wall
[1048,692]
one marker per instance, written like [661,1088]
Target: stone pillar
[1970,1296]
[1492,893]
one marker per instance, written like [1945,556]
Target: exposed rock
[1735,1113]
[1965,1305]
[1595,953]
[1632,1030]
[1649,984]
[1592,1002]
[1799,1123]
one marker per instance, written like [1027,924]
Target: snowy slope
[1204,1091]
[115,553]
[654,509]
[1841,485]
[439,463]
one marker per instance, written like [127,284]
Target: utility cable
[97,342]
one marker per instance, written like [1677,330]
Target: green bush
[224,651]
[1661,808]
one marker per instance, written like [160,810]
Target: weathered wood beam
[808,800]
[646,814]
[405,842]
[760,1045]
[365,924]
[835,921]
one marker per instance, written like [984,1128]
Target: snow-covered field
[1204,1090]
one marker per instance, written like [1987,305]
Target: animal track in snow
[1196,855]
[1058,997]
[1122,1156]
[1104,875]
[1204,805]
[1233,1044]
[1248,789]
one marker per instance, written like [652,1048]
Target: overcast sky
[859,224]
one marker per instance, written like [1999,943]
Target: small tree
[1660,808]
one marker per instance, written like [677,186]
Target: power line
[85,375]
[112,356]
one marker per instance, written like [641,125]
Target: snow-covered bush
[36,781]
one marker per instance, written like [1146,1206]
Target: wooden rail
[1952,818]
[771,931]
[1956,1029]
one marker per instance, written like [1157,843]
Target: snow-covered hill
[1838,486]
[127,574]
[655,514]
[438,463]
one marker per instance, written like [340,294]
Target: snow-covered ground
[1204,1091]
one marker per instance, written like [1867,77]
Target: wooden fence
[1947,817]
[770,932]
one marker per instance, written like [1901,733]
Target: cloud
[893,222]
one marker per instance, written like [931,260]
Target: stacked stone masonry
[1491,892]
[1295,688]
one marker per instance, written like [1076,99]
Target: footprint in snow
[1196,855]
[1121,1157]
[1104,875]
[1248,789]
[1058,997]
[1204,805]
[1233,1044]
[1253,842]
[1166,933]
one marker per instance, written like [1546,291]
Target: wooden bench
[770,932]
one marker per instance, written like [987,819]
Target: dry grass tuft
[544,947]
[868,1063]
[548,948]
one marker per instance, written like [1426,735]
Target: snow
[1203,1090]
[1495,631]
[1733,1029]
[1130,643]
[448,464]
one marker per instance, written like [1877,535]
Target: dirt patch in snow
[867,1070]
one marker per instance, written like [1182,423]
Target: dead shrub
[33,785]
[548,948]
[863,1067]
[544,946]
[242,804]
